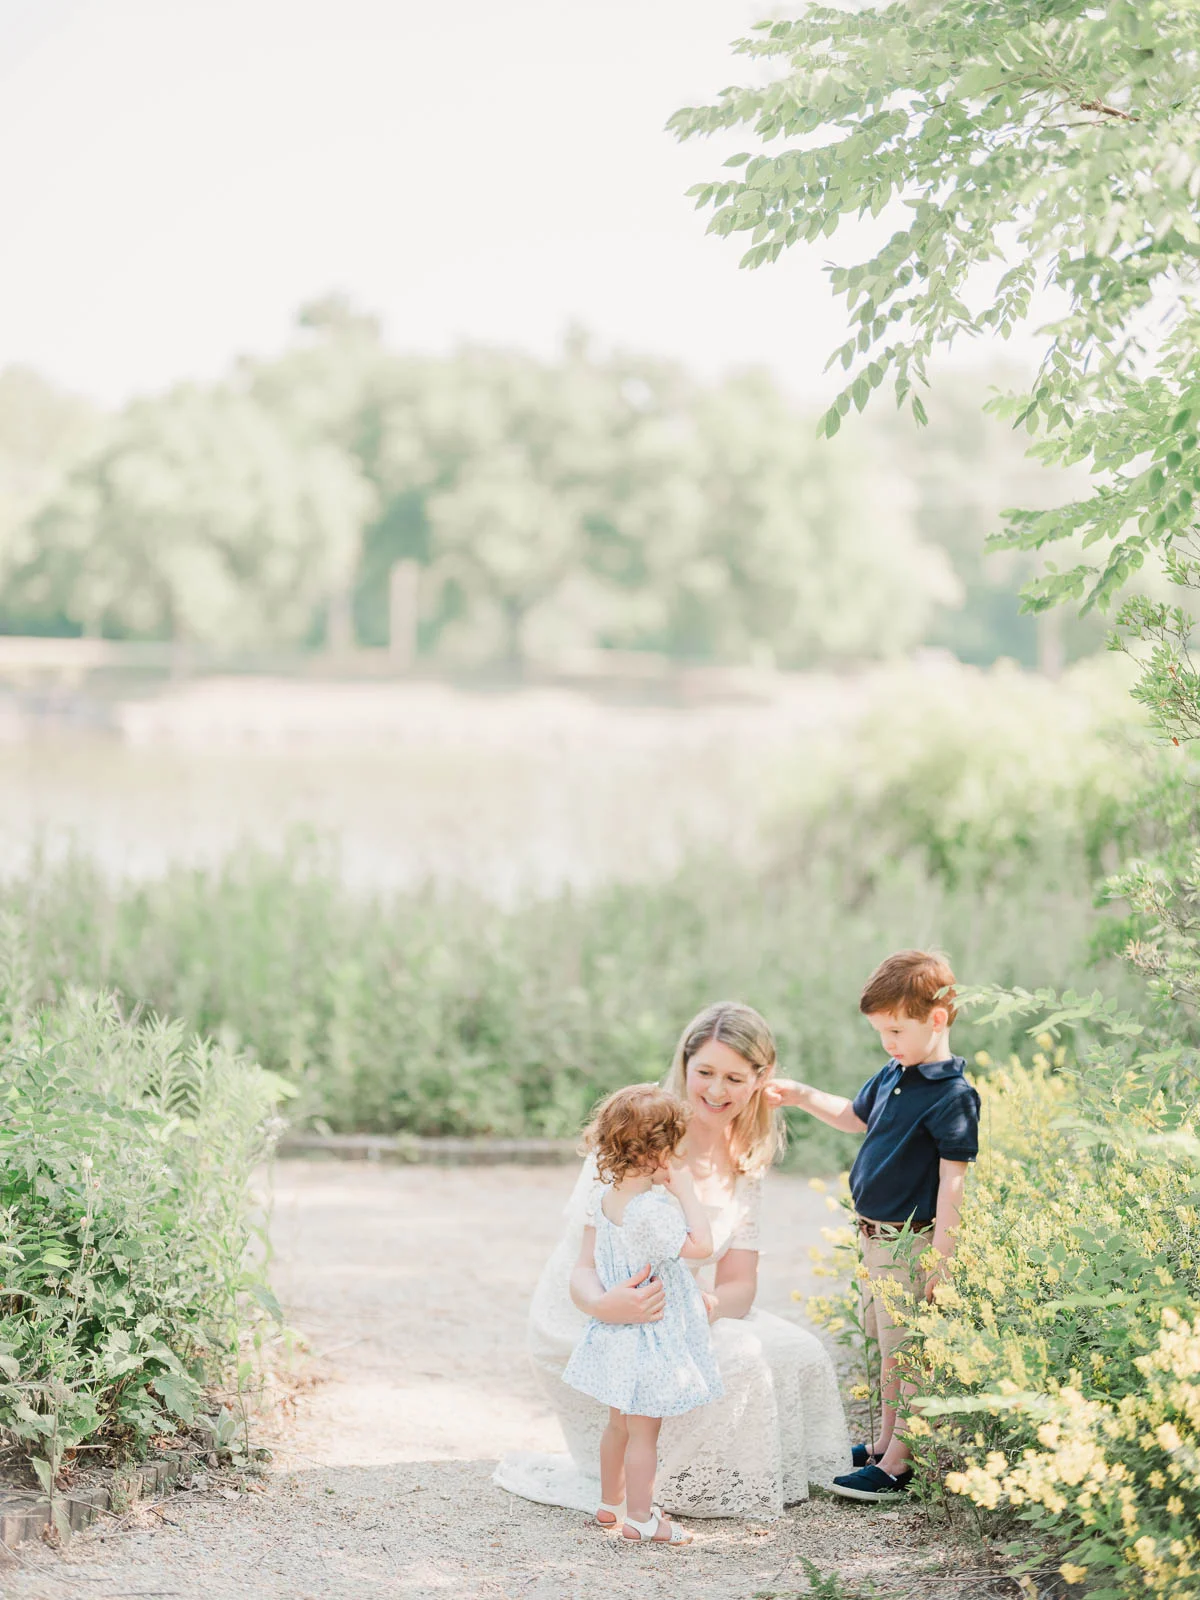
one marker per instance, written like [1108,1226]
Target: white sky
[178,176]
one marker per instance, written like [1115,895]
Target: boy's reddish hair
[909,984]
[634,1130]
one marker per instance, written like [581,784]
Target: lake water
[512,791]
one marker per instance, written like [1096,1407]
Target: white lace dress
[779,1427]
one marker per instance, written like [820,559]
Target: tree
[1056,137]
[800,555]
[198,518]
[42,432]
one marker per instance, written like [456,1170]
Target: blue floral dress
[647,1369]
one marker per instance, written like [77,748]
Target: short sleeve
[593,1201]
[749,1202]
[864,1100]
[953,1125]
[656,1231]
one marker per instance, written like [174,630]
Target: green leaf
[177,1395]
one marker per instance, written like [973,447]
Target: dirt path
[411,1285]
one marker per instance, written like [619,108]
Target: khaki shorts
[899,1261]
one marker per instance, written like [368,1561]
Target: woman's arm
[635,1300]
[736,1284]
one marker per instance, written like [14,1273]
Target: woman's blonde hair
[635,1129]
[757,1134]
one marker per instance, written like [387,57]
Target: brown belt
[875,1230]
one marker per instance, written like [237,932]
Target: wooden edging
[439,1152]
[70,1511]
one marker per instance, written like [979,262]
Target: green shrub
[983,777]
[441,1013]
[1059,1367]
[125,1157]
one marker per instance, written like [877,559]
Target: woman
[780,1424]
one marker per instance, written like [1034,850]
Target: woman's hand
[711,1305]
[639,1299]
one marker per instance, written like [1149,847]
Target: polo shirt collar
[934,1070]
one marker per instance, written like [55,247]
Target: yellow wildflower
[1071,1573]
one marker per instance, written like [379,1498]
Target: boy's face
[905,1039]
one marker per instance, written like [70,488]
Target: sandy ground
[411,1286]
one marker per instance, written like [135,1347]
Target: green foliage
[125,1158]
[592,500]
[42,432]
[1061,1365]
[1050,140]
[607,500]
[197,518]
[820,1586]
[969,811]
[986,777]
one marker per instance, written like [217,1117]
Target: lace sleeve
[580,1208]
[749,1201]
[593,1201]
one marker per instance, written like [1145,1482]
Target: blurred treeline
[488,507]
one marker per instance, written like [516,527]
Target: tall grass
[974,811]
[440,1013]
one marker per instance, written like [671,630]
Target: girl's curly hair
[634,1130]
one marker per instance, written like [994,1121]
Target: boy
[921,1119]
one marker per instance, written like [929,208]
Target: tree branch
[1108,111]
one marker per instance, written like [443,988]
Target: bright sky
[178,176]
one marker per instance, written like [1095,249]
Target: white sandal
[647,1532]
[615,1513]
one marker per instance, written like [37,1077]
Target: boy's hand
[784,1092]
[934,1277]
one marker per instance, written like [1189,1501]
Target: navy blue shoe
[872,1483]
[861,1455]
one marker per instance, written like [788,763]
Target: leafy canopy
[1047,136]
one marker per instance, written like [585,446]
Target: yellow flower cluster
[1059,1364]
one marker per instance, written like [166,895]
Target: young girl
[648,1212]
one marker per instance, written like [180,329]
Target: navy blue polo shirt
[915,1117]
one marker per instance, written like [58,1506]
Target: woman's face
[719,1083]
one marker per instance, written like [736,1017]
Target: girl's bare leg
[641,1465]
[613,1442]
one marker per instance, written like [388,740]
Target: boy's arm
[834,1109]
[951,1178]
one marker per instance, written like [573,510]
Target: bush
[125,1157]
[1059,1368]
[443,1013]
[981,777]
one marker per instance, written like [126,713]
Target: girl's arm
[699,1242]
[635,1300]
[736,1284]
